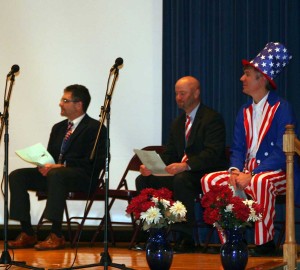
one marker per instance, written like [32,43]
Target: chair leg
[40,223]
[196,234]
[280,236]
[101,225]
[68,222]
[208,238]
[80,226]
[135,234]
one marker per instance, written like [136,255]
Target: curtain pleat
[209,38]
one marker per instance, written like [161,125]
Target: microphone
[14,69]
[118,62]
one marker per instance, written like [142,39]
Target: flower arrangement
[225,210]
[156,209]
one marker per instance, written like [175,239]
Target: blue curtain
[209,38]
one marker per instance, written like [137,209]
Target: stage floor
[120,255]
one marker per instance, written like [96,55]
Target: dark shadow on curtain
[209,38]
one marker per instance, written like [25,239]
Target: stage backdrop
[57,43]
[209,39]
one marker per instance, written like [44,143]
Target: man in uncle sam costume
[257,161]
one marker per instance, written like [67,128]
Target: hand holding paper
[152,161]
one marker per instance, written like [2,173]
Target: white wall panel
[61,42]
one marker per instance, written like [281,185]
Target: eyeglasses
[65,100]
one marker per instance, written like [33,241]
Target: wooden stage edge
[70,258]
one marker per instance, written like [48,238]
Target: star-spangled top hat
[270,61]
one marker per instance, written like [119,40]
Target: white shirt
[192,114]
[257,117]
[76,122]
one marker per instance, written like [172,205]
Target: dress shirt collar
[76,121]
[192,114]
[258,107]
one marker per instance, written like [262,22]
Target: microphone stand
[5,257]
[105,114]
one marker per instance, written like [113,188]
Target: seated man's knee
[53,173]
[15,176]
[55,176]
[140,182]
[180,179]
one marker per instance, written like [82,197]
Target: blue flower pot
[234,252]
[159,252]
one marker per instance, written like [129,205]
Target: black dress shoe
[267,249]
[185,245]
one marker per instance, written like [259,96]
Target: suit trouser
[57,184]
[263,188]
[185,187]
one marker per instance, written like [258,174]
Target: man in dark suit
[71,143]
[195,147]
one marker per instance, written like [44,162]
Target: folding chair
[97,195]
[123,193]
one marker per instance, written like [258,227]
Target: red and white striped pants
[263,188]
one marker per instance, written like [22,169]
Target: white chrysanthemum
[152,215]
[253,216]
[165,203]
[229,208]
[178,209]
[154,199]
[248,202]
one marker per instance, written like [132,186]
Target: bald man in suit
[189,156]
[73,170]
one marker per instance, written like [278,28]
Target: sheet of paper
[241,194]
[152,161]
[36,154]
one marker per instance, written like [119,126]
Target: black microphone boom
[118,62]
[14,69]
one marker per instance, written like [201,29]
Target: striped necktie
[65,140]
[188,127]
[69,131]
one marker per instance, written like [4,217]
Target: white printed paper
[36,154]
[152,161]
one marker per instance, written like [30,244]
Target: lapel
[270,108]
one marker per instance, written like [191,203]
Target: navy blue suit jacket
[80,145]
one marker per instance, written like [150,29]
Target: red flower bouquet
[226,211]
[156,208]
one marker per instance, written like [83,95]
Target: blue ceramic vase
[234,252]
[159,252]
